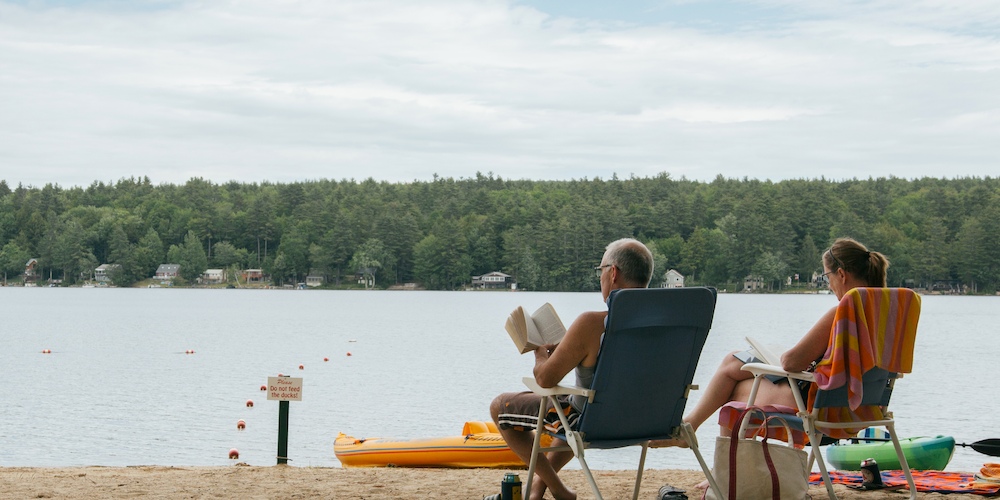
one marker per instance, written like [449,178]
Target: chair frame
[811,421]
[577,442]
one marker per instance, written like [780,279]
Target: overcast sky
[255,90]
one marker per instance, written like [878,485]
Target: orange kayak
[480,445]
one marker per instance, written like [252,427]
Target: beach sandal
[668,492]
[986,479]
[990,471]
[493,497]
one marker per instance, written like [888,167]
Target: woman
[847,264]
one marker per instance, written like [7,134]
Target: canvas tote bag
[748,469]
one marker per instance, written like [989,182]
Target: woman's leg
[721,390]
[768,393]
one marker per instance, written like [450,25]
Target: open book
[765,353]
[530,332]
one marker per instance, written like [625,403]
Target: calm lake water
[118,388]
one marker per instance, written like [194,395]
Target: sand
[281,482]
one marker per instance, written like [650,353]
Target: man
[627,263]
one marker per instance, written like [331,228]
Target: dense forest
[547,234]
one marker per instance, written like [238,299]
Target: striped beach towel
[925,481]
[873,327]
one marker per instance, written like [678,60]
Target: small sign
[284,388]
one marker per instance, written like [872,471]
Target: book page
[768,354]
[548,327]
[517,328]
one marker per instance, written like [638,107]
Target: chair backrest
[877,387]
[651,347]
[872,340]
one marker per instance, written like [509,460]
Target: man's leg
[521,442]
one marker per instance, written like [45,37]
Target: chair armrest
[759,369]
[558,390]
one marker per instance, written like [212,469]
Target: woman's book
[767,353]
[530,332]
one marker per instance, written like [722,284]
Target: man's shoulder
[593,320]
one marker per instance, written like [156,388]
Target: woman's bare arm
[811,347]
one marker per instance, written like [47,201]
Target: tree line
[546,234]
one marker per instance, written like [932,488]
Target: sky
[402,91]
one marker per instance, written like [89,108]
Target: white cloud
[260,90]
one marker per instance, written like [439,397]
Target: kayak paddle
[989,447]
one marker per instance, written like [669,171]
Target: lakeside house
[314,280]
[104,273]
[672,279]
[493,280]
[167,272]
[30,271]
[752,283]
[253,276]
[213,276]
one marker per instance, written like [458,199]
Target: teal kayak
[922,453]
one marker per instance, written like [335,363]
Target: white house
[672,279]
[214,276]
[496,279]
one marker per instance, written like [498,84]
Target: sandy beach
[287,482]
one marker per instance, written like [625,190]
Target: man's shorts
[520,412]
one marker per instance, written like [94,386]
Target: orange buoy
[249,403]
[234,454]
[302,367]
[240,425]
[263,387]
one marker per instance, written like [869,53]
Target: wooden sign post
[283,389]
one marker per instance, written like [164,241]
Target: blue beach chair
[647,361]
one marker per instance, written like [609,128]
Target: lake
[119,389]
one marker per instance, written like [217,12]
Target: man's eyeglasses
[599,270]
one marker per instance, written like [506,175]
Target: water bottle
[510,488]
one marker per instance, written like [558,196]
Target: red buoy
[263,387]
[249,403]
[240,425]
[234,454]
[348,353]
[326,359]
[302,367]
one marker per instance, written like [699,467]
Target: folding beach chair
[871,345]
[651,347]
